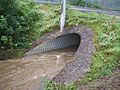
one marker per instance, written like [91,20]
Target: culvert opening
[64,69]
[63,42]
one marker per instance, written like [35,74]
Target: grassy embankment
[106,40]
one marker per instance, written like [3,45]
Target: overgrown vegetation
[24,22]
[51,18]
[53,86]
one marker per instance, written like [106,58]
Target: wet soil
[107,83]
[26,73]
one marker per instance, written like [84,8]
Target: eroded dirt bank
[107,83]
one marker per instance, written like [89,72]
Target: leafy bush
[18,20]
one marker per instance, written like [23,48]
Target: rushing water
[26,73]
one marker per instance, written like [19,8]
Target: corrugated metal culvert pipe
[62,41]
[77,35]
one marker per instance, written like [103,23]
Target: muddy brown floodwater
[26,73]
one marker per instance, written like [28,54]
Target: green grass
[53,86]
[51,15]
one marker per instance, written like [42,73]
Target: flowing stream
[26,73]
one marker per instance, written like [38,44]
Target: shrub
[18,20]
